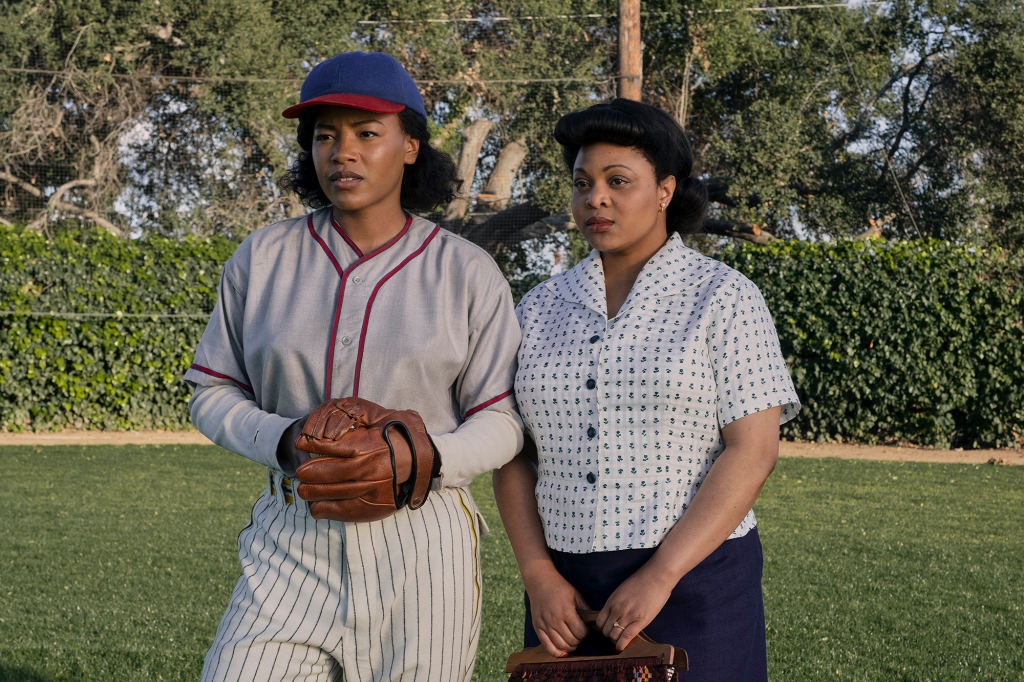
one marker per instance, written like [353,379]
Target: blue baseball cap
[372,81]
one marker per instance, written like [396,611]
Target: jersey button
[357,279]
[591,478]
[591,432]
[591,383]
[345,340]
[595,338]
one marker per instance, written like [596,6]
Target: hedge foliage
[917,342]
[108,372]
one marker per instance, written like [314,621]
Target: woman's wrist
[663,570]
[539,573]
[289,458]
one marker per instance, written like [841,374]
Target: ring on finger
[616,624]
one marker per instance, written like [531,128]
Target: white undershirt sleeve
[226,416]
[487,440]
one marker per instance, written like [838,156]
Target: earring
[662,209]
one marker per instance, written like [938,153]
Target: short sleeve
[524,303]
[750,371]
[486,379]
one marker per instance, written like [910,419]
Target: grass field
[116,563]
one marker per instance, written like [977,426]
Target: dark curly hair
[654,134]
[429,182]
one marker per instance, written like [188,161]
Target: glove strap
[413,493]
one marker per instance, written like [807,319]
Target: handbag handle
[642,646]
[589,619]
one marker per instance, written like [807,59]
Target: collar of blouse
[674,269]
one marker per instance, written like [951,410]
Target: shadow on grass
[17,674]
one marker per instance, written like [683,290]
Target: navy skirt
[716,612]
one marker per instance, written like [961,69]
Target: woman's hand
[553,601]
[554,604]
[728,493]
[634,604]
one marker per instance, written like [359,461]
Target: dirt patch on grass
[71,437]
[897,454]
[786,449]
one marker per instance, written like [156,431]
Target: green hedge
[112,371]
[906,342]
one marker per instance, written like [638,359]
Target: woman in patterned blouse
[651,380]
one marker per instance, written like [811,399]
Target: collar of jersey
[674,269]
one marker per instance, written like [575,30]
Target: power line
[243,79]
[503,19]
[480,20]
[787,8]
[157,76]
[470,81]
[444,81]
[892,171]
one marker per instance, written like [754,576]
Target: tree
[199,144]
[165,116]
[821,122]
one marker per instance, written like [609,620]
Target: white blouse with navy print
[627,413]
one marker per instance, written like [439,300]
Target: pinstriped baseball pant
[397,599]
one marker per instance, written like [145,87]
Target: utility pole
[631,62]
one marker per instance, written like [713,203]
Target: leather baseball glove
[355,464]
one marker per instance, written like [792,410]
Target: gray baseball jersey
[425,322]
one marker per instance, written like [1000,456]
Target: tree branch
[498,190]
[916,166]
[473,138]
[55,203]
[718,191]
[737,230]
[862,120]
[906,122]
[15,180]
[70,185]
[90,214]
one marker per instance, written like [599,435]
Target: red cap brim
[364,102]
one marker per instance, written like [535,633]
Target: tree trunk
[683,103]
[499,186]
[472,142]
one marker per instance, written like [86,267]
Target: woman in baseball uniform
[365,301]
[652,382]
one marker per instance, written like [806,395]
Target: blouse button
[591,383]
[595,338]
[591,478]
[591,432]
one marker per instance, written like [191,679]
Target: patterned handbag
[642,661]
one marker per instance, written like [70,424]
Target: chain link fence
[812,120]
[165,118]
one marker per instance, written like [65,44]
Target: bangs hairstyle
[430,181]
[654,134]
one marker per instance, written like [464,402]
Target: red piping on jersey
[323,245]
[207,370]
[343,274]
[373,295]
[471,412]
[344,235]
[337,306]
